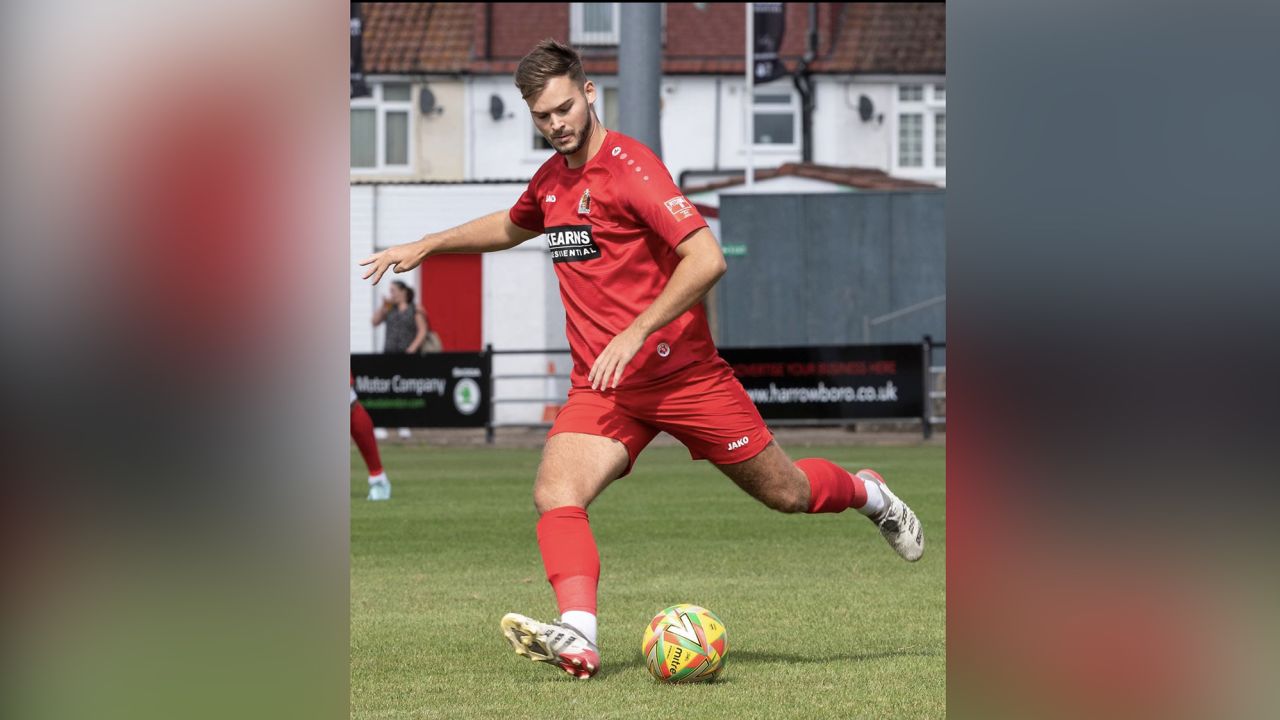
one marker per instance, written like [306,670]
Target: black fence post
[926,416]
[488,426]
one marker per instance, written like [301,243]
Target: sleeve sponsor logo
[571,243]
[679,208]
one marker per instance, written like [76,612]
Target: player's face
[562,113]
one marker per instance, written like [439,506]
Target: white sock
[583,621]
[875,498]
[379,478]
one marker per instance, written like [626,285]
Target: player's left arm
[701,265]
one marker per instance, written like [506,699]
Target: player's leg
[815,485]
[575,468]
[362,434]
[591,445]
[771,478]
[708,410]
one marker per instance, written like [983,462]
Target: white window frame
[580,36]
[777,87]
[381,108]
[931,103]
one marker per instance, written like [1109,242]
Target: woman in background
[406,326]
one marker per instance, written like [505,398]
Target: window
[922,126]
[609,115]
[540,142]
[911,140]
[594,23]
[364,132]
[380,128]
[775,115]
[940,140]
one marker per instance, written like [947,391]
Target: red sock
[570,557]
[831,488]
[362,433]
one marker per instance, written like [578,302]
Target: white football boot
[558,643]
[380,489]
[897,522]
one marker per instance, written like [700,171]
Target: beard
[576,142]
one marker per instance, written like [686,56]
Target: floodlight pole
[749,99]
[640,73]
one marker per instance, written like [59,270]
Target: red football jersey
[612,226]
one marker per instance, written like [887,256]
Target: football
[685,643]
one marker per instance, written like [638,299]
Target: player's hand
[609,366]
[401,257]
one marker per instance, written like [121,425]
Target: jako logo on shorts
[739,443]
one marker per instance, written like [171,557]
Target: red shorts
[702,406]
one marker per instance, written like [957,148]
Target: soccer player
[634,260]
[362,433]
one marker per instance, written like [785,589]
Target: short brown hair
[548,59]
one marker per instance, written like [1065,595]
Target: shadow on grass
[758,656]
[751,657]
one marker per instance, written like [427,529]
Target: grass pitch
[824,620]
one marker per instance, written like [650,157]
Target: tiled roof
[417,37]
[701,38]
[896,38]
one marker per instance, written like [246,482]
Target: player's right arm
[485,234]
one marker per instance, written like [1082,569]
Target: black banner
[435,390]
[358,86]
[769,26]
[836,382]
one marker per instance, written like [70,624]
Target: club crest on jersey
[571,243]
[584,203]
[663,349]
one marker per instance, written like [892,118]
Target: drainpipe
[803,80]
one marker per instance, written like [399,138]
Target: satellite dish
[427,102]
[495,107]
[865,108]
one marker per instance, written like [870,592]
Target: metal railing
[930,415]
[931,374]
[546,399]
